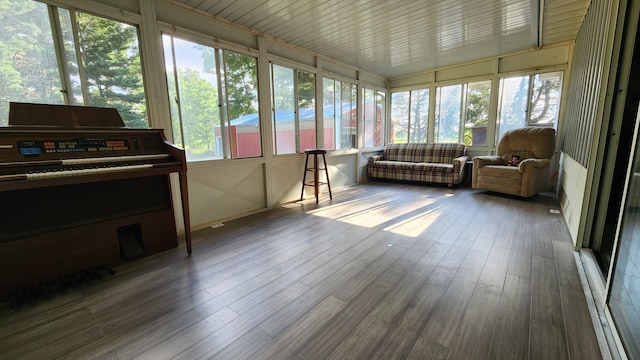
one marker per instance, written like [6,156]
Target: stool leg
[304,177]
[315,175]
[326,171]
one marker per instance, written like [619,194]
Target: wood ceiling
[397,38]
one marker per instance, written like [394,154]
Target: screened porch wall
[225,189]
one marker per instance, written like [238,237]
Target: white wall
[572,180]
[224,189]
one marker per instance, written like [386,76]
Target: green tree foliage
[400,116]
[111,61]
[198,104]
[28,69]
[513,113]
[283,88]
[282,83]
[306,89]
[477,109]
[241,75]
[448,115]
[419,115]
[544,101]
[200,72]
[478,98]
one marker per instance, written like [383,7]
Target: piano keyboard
[99,160]
[88,171]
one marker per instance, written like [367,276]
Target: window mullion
[296,111]
[273,112]
[76,43]
[177,85]
[464,96]
[438,114]
[222,108]
[336,107]
[56,31]
[529,99]
[409,117]
[501,93]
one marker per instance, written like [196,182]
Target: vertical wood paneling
[589,80]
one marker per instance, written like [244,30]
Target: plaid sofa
[434,163]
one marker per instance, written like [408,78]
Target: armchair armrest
[530,164]
[480,161]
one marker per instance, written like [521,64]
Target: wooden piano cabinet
[48,233]
[49,257]
[79,190]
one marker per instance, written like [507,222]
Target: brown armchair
[535,146]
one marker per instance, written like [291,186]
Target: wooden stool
[315,183]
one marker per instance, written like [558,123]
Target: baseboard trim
[594,286]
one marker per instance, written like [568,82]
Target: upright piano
[79,190]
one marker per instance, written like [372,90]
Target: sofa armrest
[458,169]
[458,163]
[461,159]
[480,161]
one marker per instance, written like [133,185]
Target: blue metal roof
[288,115]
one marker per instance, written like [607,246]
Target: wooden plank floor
[384,271]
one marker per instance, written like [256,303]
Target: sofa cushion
[433,167]
[445,153]
[424,153]
[400,152]
[411,166]
[501,171]
[500,178]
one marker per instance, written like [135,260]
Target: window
[476,118]
[293,110]
[241,95]
[513,103]
[339,108]
[88,60]
[410,116]
[448,113]
[529,100]
[214,107]
[373,110]
[463,106]
[545,99]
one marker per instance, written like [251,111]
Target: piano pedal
[91,275]
[107,269]
[15,300]
[66,283]
[83,277]
[33,294]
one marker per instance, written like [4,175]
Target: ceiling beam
[537,15]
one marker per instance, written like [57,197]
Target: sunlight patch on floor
[377,213]
[416,225]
